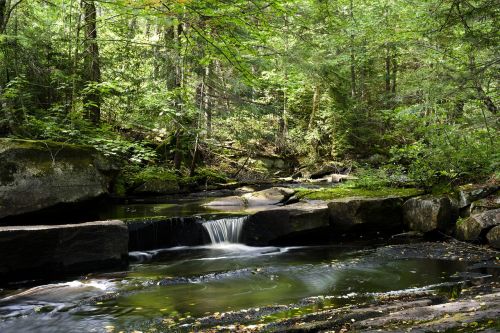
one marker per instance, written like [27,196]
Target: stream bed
[184,288]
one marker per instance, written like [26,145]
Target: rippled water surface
[177,286]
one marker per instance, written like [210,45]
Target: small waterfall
[226,230]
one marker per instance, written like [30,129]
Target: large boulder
[493,237]
[267,197]
[274,226]
[40,174]
[45,251]
[270,196]
[429,213]
[475,227]
[360,215]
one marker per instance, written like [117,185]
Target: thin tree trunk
[387,69]
[394,73]
[92,99]
[315,106]
[207,102]
[178,150]
[192,168]
[353,56]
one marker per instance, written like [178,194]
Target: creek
[179,288]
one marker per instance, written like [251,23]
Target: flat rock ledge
[51,251]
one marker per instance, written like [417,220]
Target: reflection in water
[184,283]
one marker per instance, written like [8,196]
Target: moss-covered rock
[341,192]
[40,174]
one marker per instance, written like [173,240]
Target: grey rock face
[429,213]
[39,174]
[383,214]
[264,227]
[52,250]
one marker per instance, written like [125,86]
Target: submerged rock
[50,251]
[476,226]
[40,174]
[428,213]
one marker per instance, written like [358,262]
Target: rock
[469,193]
[476,226]
[482,205]
[493,237]
[270,196]
[49,251]
[428,213]
[269,226]
[161,232]
[39,174]
[231,201]
[158,186]
[366,214]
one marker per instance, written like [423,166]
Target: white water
[226,230]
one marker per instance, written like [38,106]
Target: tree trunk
[394,73]
[178,150]
[387,70]
[3,15]
[353,56]
[315,106]
[92,72]
[207,102]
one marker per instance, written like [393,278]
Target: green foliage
[371,179]
[308,80]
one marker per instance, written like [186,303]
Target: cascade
[226,230]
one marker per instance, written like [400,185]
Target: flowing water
[227,230]
[170,289]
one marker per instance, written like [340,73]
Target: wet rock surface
[53,251]
[269,226]
[361,215]
[159,232]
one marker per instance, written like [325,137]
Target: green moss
[346,192]
[144,219]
